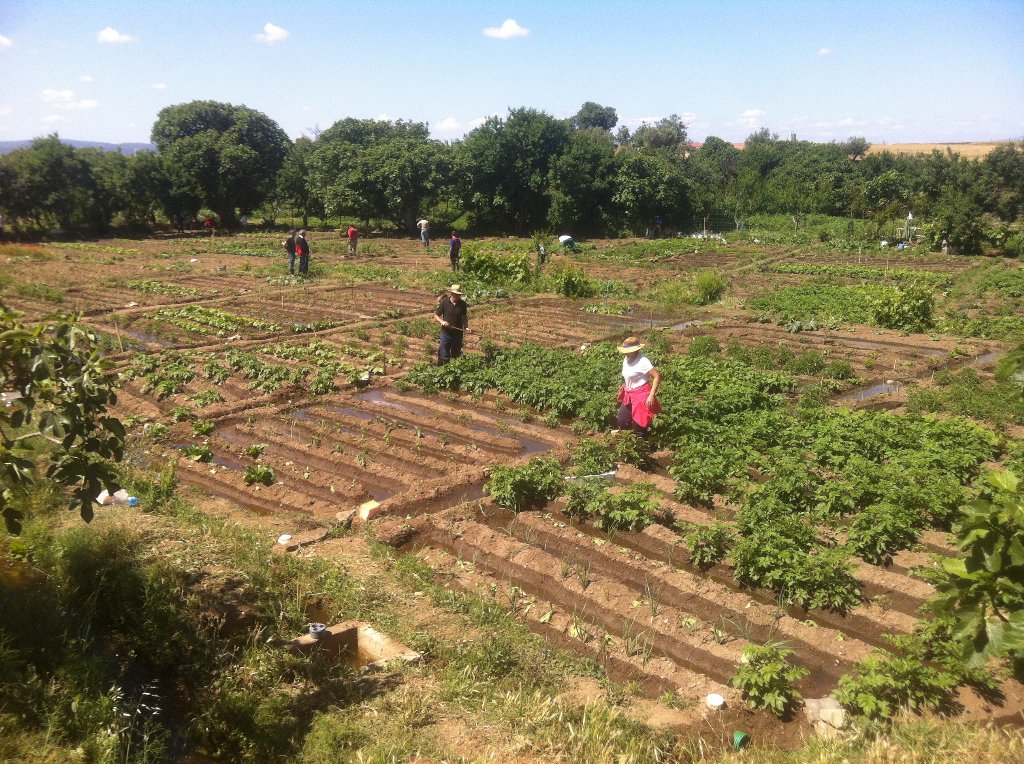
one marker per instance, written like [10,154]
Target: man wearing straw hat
[638,395]
[453,315]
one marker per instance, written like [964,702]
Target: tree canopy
[226,155]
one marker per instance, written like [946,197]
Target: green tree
[377,169]
[509,163]
[595,115]
[294,187]
[648,186]
[51,183]
[226,155]
[856,147]
[958,219]
[667,134]
[581,183]
[60,415]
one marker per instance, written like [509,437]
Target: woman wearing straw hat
[638,395]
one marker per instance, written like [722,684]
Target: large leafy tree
[294,186]
[593,115]
[648,186]
[57,426]
[51,183]
[667,135]
[581,183]
[377,169]
[226,155]
[510,162]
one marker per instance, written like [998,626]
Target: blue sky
[889,71]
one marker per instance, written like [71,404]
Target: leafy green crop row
[859,272]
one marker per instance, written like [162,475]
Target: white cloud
[272,33]
[448,125]
[85,78]
[6,111]
[509,28]
[64,100]
[825,51]
[159,86]
[111,35]
[53,119]
[383,117]
[751,118]
[5,42]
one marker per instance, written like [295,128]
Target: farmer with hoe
[452,314]
[638,395]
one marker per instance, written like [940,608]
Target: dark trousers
[291,262]
[451,346]
[455,263]
[303,264]
[624,419]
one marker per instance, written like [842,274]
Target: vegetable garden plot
[765,505]
[872,353]
[411,454]
[561,323]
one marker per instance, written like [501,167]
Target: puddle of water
[226,461]
[344,410]
[882,388]
[984,359]
[376,492]
[145,337]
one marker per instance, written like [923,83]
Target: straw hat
[455,289]
[630,345]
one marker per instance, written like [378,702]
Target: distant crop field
[966,150]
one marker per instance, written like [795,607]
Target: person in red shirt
[353,239]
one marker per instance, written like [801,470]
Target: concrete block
[835,717]
[354,643]
[369,510]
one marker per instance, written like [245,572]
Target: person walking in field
[638,399]
[454,248]
[424,226]
[289,247]
[353,239]
[453,315]
[302,250]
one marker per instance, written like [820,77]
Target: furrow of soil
[653,675]
[825,649]
[604,602]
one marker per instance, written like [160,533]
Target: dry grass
[966,150]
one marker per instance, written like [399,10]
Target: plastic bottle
[118,497]
[121,497]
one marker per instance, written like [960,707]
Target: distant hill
[6,147]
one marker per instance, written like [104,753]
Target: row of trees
[513,174]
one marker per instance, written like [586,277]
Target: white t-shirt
[423,225]
[638,373]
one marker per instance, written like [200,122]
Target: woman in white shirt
[638,394]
